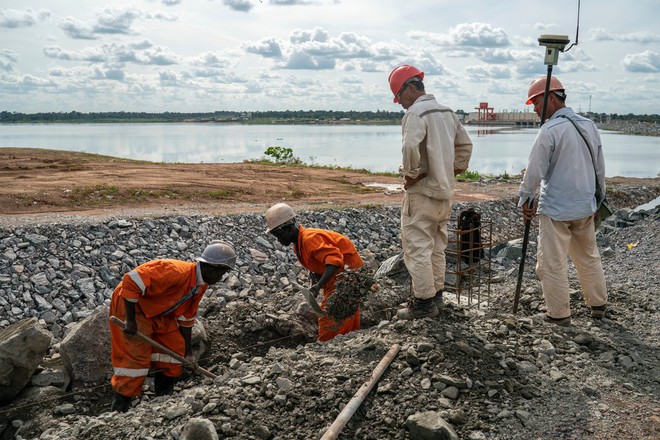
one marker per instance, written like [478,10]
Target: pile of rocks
[632,127]
[475,373]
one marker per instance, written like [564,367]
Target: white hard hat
[219,253]
[277,215]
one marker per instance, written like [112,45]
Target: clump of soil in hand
[351,287]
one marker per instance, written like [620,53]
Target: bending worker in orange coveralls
[160,300]
[324,253]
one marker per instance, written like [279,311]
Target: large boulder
[199,339]
[22,347]
[199,429]
[429,425]
[392,267]
[85,350]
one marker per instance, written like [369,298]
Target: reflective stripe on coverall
[317,248]
[156,286]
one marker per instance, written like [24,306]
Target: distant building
[486,115]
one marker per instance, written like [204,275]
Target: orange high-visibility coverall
[315,249]
[167,293]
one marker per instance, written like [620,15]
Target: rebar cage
[468,257]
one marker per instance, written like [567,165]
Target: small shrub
[469,175]
[282,154]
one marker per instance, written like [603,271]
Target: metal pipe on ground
[361,394]
[164,349]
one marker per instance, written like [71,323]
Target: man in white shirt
[568,170]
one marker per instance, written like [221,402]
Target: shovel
[311,300]
[164,349]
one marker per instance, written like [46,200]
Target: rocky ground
[476,369]
[632,127]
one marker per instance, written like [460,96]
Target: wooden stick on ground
[361,394]
[164,349]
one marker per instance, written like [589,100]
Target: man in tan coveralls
[435,148]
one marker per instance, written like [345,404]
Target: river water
[376,148]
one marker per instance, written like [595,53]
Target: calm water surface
[377,148]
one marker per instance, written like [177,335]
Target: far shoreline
[633,128]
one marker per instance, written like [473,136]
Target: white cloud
[13,18]
[77,29]
[300,36]
[168,77]
[290,2]
[105,73]
[116,20]
[647,61]
[142,52]
[575,66]
[268,47]
[174,55]
[544,26]
[497,56]
[210,59]
[303,60]
[466,35]
[239,5]
[110,20]
[89,54]
[316,49]
[575,54]
[207,72]
[428,64]
[8,59]
[482,72]
[643,37]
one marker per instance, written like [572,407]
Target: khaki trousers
[424,240]
[577,239]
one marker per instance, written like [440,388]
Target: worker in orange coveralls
[160,300]
[324,253]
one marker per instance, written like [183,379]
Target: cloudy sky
[208,55]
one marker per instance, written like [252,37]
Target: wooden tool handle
[164,349]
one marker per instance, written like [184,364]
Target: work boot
[120,403]
[418,308]
[163,385]
[438,300]
[598,312]
[562,322]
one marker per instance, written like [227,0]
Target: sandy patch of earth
[44,183]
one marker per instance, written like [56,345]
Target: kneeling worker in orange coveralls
[324,253]
[160,300]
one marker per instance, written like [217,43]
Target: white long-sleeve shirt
[562,165]
[435,143]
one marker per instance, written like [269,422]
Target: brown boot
[418,308]
[598,312]
[120,403]
[163,385]
[562,322]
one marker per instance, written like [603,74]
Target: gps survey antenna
[553,45]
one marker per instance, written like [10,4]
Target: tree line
[217,116]
[286,116]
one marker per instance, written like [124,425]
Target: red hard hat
[400,75]
[538,87]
